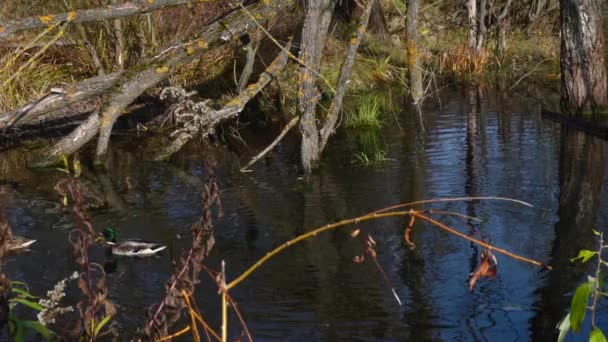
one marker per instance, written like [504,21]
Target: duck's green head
[110,234]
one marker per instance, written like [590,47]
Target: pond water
[473,144]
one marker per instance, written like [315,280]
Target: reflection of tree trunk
[584,84]
[582,161]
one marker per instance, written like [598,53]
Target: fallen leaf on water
[486,268]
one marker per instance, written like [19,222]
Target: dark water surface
[472,146]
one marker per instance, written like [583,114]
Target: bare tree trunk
[583,82]
[472,15]
[314,32]
[413,52]
[349,60]
[481,22]
[119,47]
[503,23]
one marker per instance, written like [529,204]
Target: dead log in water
[119,91]
[598,128]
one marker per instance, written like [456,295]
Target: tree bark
[48,107]
[583,82]
[349,60]
[413,52]
[87,15]
[472,16]
[503,22]
[481,25]
[314,32]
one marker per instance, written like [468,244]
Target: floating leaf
[487,268]
[579,305]
[563,326]
[585,255]
[597,335]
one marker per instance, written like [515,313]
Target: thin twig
[596,291]
[292,56]
[453,199]
[528,73]
[289,125]
[172,336]
[479,242]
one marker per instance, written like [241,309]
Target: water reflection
[582,162]
[475,143]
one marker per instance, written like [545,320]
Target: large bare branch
[231,109]
[44,108]
[132,83]
[87,15]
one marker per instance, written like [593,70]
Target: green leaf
[563,326]
[585,255]
[595,232]
[39,328]
[579,305]
[28,303]
[101,324]
[23,293]
[597,335]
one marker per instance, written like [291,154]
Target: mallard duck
[18,243]
[129,247]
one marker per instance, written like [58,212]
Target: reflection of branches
[96,310]
[185,277]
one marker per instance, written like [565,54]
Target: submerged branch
[287,128]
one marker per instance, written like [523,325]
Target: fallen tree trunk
[598,128]
[209,119]
[47,108]
[87,15]
[132,83]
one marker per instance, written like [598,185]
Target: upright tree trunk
[481,24]
[472,15]
[583,83]
[503,23]
[314,32]
[413,52]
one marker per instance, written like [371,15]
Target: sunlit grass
[367,113]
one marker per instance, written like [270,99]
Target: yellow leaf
[202,44]
[71,15]
[162,70]
[45,19]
